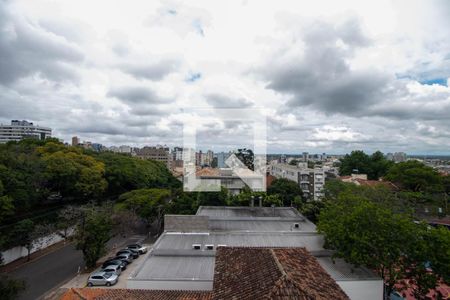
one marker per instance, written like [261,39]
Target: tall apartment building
[75,141]
[396,157]
[221,158]
[177,153]
[23,129]
[157,153]
[311,181]
[305,156]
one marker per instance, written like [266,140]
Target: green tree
[364,233]
[149,204]
[379,165]
[294,162]
[356,161]
[287,189]
[10,288]
[428,260]
[375,166]
[246,156]
[124,173]
[415,176]
[92,234]
[274,200]
[6,204]
[72,173]
[23,234]
[214,162]
[68,217]
[312,209]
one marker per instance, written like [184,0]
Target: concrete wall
[362,289]
[190,285]
[12,254]
[187,223]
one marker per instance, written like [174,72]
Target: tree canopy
[92,233]
[246,156]
[288,190]
[415,176]
[367,233]
[375,165]
[32,171]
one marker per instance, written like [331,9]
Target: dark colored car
[109,262]
[133,253]
[126,257]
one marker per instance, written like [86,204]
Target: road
[52,270]
[49,271]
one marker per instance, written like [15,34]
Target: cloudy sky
[329,76]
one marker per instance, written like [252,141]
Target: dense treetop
[375,165]
[35,173]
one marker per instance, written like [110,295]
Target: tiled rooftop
[279,273]
[122,294]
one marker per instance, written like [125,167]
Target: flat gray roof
[340,270]
[177,268]
[310,241]
[245,211]
[257,225]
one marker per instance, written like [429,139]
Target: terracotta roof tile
[279,273]
[133,294]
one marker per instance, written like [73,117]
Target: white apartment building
[311,181]
[23,129]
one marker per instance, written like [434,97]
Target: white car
[102,278]
[138,247]
[115,269]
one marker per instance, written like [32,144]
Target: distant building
[400,156]
[19,130]
[311,181]
[397,157]
[158,153]
[75,141]
[209,156]
[125,149]
[221,158]
[361,179]
[228,179]
[177,153]
[305,156]
[97,147]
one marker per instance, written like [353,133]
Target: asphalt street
[52,270]
[49,271]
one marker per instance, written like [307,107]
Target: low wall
[12,254]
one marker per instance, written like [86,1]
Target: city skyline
[331,77]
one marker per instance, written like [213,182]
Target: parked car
[133,254]
[115,269]
[110,262]
[138,247]
[102,278]
[126,257]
